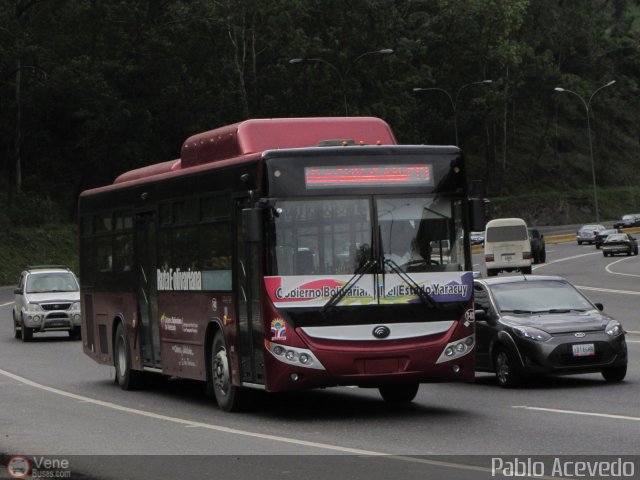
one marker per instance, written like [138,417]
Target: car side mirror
[17,291]
[599,306]
[480,315]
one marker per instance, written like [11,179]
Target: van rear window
[509,233]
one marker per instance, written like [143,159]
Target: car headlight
[530,333]
[613,328]
[32,307]
[75,306]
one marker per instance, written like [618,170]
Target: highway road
[57,403]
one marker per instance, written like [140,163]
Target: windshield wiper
[517,310]
[561,310]
[355,278]
[424,296]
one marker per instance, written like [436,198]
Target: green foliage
[112,85]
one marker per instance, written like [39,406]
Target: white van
[506,246]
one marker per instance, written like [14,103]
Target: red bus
[283,254]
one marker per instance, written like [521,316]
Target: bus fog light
[456,368]
[294,377]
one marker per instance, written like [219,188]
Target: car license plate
[584,350]
[507,257]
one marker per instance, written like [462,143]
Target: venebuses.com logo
[20,466]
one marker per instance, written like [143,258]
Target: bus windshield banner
[315,291]
[368,175]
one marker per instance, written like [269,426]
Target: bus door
[247,286]
[148,328]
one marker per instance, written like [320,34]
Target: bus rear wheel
[230,397]
[399,393]
[127,378]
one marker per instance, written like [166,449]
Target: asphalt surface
[56,402]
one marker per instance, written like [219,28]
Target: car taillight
[488,258]
[526,255]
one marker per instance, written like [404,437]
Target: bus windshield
[335,236]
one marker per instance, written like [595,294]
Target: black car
[620,243]
[538,247]
[627,221]
[601,236]
[535,324]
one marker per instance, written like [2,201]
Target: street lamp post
[453,100]
[587,106]
[342,75]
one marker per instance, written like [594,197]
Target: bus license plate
[584,350]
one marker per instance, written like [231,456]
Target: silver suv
[47,299]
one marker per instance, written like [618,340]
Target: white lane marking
[565,259]
[5,304]
[220,428]
[620,273]
[608,290]
[576,412]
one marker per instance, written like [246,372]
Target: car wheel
[505,369]
[526,270]
[635,252]
[598,246]
[614,374]
[579,242]
[127,378]
[399,393]
[26,333]
[605,254]
[491,272]
[230,397]
[75,333]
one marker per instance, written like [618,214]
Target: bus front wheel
[399,393]
[127,378]
[230,397]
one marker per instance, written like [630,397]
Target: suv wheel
[26,333]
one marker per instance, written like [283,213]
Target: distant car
[530,324]
[477,238]
[47,299]
[619,243]
[587,233]
[601,235]
[627,221]
[538,247]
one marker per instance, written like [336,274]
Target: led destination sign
[368,175]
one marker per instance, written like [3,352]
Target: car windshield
[616,237]
[51,282]
[538,296]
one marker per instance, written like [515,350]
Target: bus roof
[258,135]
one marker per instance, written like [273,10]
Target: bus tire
[127,378]
[230,397]
[399,393]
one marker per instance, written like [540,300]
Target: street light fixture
[342,74]
[587,106]
[453,100]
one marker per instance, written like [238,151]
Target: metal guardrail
[554,239]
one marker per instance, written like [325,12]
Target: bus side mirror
[477,215]
[252,219]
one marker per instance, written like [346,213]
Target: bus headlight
[457,349]
[300,357]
